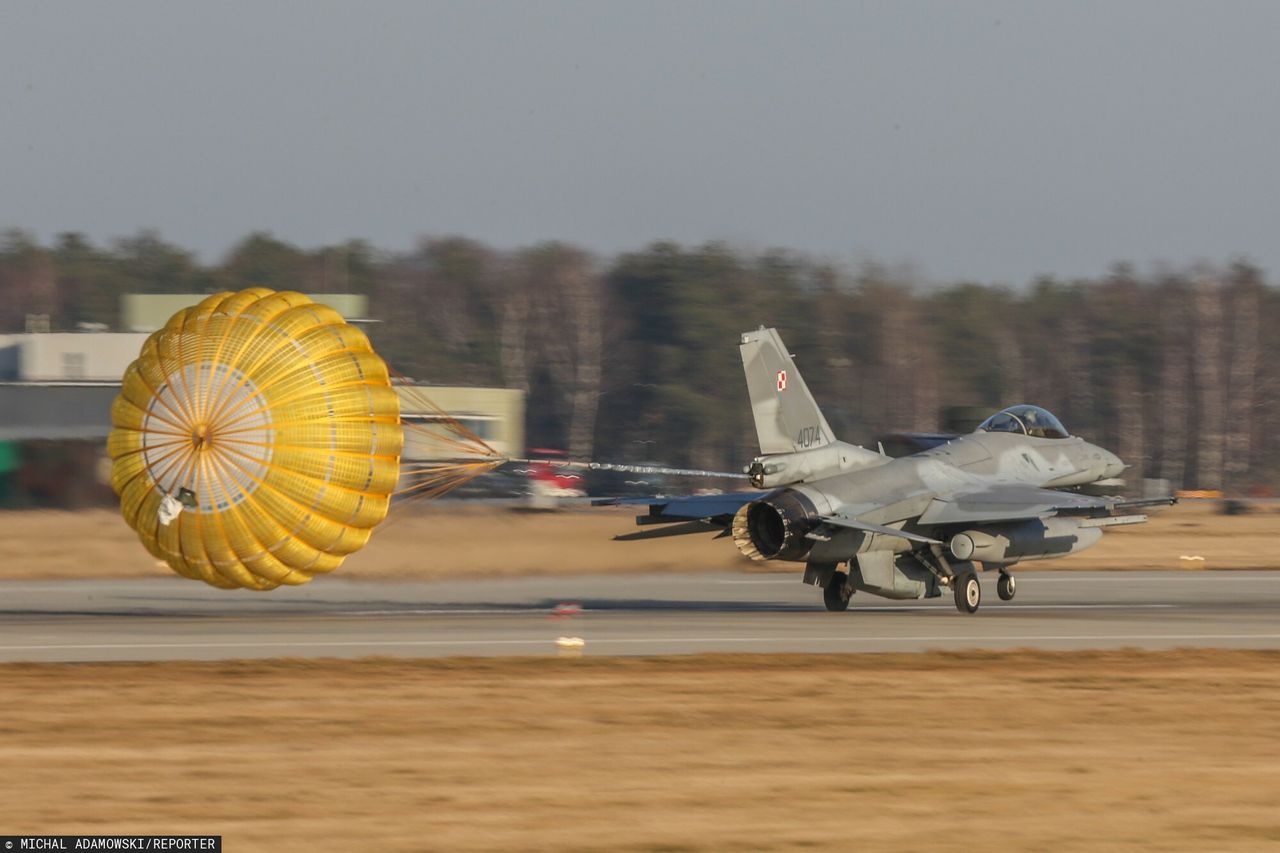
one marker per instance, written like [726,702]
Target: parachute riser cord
[435,479]
[624,468]
[465,437]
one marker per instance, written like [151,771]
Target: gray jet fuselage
[967,463]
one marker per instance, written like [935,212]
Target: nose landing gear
[1006,587]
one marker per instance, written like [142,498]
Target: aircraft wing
[868,527]
[689,507]
[1016,502]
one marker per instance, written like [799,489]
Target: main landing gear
[837,592]
[968,592]
[960,577]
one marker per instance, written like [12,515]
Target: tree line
[634,357]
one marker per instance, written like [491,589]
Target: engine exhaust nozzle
[775,527]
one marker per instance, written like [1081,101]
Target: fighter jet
[1018,488]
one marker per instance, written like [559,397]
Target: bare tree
[1242,381]
[584,299]
[1175,369]
[1131,438]
[1206,366]
[1076,364]
[513,334]
[556,320]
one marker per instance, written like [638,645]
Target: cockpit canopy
[1028,420]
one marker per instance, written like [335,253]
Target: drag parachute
[256,440]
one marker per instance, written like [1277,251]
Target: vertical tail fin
[787,417]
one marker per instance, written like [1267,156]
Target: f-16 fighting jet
[1018,488]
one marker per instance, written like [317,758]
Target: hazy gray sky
[992,140]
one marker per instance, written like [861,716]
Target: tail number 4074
[808,437]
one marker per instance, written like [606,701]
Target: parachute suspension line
[444,479]
[283,346]
[170,459]
[443,452]
[205,378]
[223,311]
[192,401]
[449,432]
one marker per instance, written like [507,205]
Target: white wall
[75,357]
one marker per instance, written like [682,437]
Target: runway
[170,619]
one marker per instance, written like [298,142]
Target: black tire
[837,592]
[1006,587]
[968,592]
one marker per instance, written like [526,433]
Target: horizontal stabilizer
[687,508]
[682,528]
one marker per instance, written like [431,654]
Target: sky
[991,141]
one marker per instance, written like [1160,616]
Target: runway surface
[169,619]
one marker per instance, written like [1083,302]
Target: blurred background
[634,358]
[559,216]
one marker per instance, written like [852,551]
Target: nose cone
[1114,465]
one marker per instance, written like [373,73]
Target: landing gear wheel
[1006,587]
[968,593]
[837,592]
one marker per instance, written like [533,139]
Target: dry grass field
[453,540]
[952,752]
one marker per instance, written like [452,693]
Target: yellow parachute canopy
[256,440]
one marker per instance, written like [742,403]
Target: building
[55,413]
[147,312]
[67,356]
[59,386]
[494,415]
